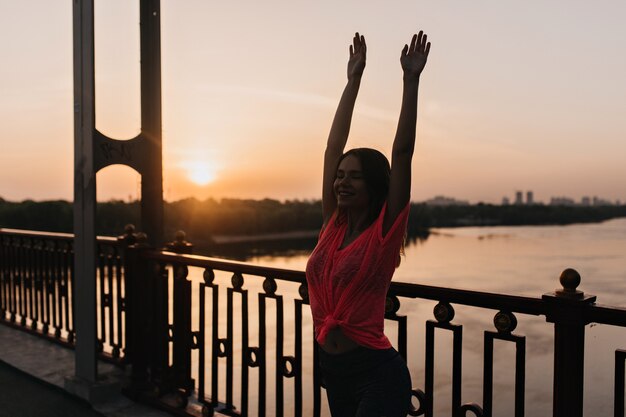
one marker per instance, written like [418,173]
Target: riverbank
[231,221]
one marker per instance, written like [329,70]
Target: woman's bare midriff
[337,342]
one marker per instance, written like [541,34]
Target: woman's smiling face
[350,187]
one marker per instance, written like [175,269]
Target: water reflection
[248,250]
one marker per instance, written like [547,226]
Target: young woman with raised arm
[365,206]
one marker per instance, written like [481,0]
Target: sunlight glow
[200,172]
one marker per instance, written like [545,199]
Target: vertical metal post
[178,376]
[182,337]
[618,396]
[567,307]
[84,295]
[152,175]
[139,281]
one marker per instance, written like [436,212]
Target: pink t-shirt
[348,287]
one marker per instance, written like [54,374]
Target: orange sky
[527,96]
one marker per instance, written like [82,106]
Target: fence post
[181,332]
[127,239]
[139,307]
[566,309]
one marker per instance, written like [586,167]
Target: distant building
[519,199]
[601,202]
[445,201]
[585,201]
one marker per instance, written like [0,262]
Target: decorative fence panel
[204,335]
[36,284]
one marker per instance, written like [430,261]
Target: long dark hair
[376,173]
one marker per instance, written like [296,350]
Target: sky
[515,96]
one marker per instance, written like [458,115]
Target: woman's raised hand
[356,63]
[413,58]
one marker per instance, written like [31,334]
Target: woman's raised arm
[413,59]
[340,128]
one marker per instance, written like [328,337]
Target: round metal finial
[237,281]
[180,236]
[392,305]
[505,322]
[269,286]
[303,290]
[570,279]
[208,276]
[443,312]
[180,244]
[180,271]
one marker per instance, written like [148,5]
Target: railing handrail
[603,314]
[520,304]
[291,275]
[493,301]
[51,235]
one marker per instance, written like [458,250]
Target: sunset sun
[200,173]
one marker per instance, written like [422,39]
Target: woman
[365,206]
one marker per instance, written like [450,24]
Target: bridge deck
[32,373]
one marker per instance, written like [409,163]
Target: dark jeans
[366,383]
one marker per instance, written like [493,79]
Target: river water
[523,260]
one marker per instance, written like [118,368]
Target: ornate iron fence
[36,285]
[205,335]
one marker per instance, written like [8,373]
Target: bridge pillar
[84,278]
[94,151]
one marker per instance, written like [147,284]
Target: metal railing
[192,350]
[37,281]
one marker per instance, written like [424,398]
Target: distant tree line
[199,219]
[202,220]
[510,215]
